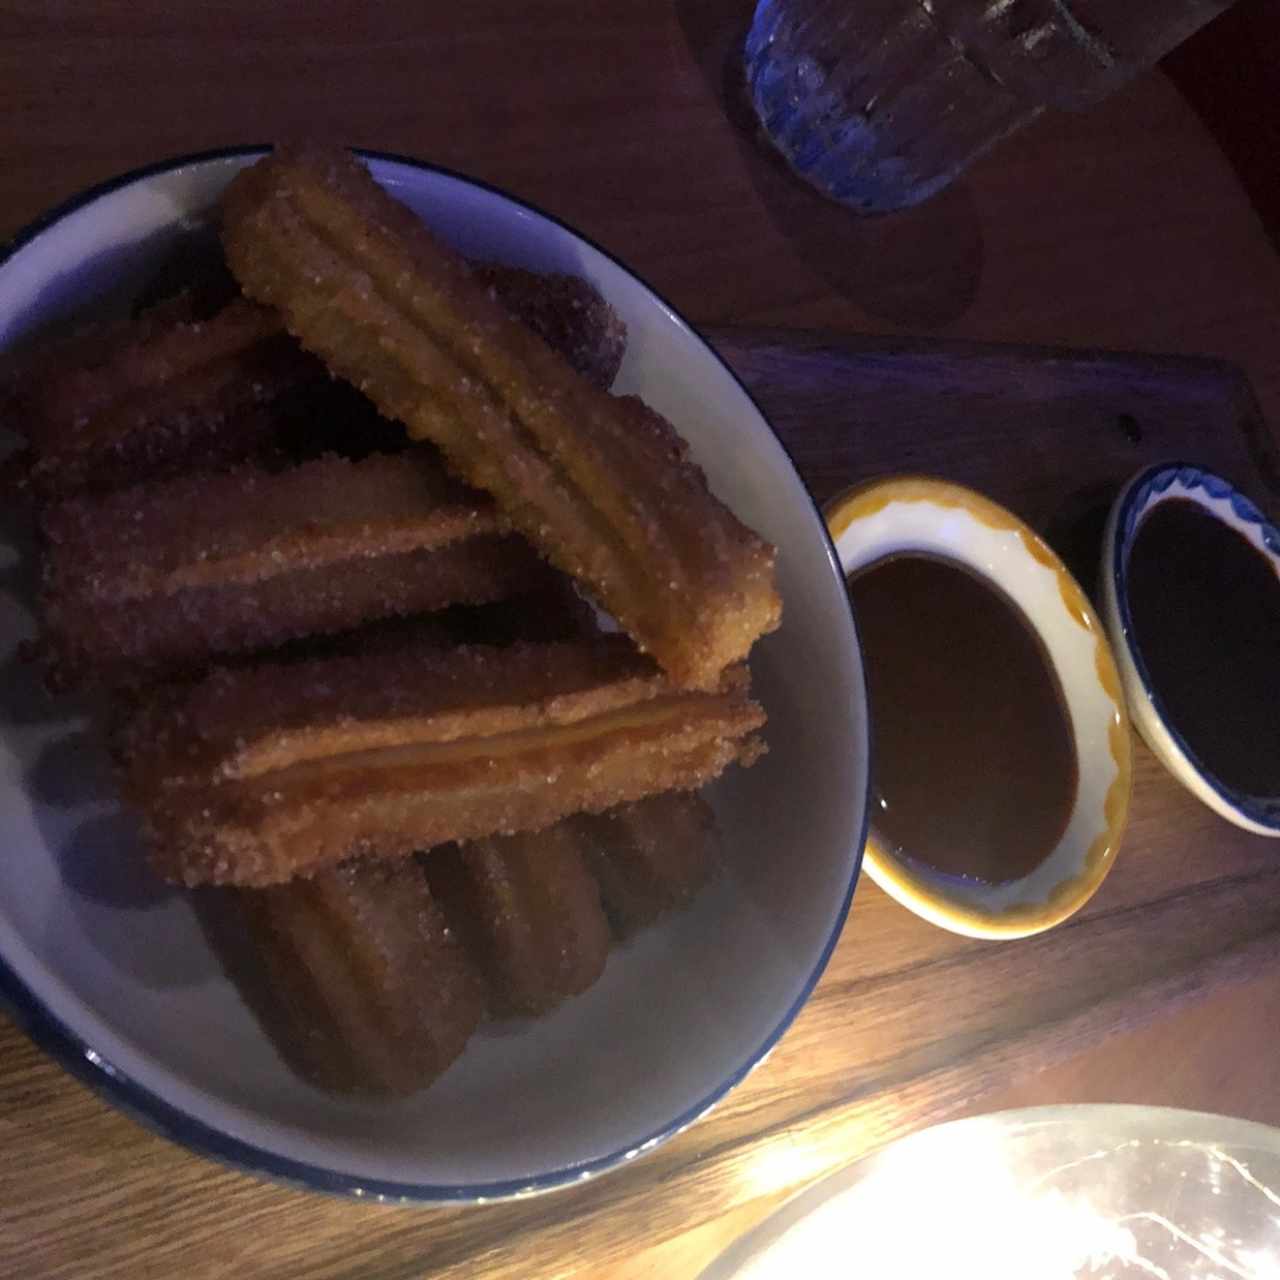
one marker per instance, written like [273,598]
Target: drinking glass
[880,103]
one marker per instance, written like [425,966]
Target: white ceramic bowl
[109,971]
[925,516]
[1145,491]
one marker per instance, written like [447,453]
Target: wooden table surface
[1123,228]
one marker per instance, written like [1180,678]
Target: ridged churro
[370,977]
[162,577]
[602,485]
[651,857]
[255,775]
[121,403]
[176,389]
[355,974]
[527,909]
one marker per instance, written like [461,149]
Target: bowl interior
[681,1014]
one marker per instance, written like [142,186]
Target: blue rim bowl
[121,993]
[1145,491]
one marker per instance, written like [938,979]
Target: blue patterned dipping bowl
[1237,703]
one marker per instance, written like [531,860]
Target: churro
[176,389]
[120,403]
[355,974]
[650,858]
[162,577]
[602,485]
[527,909]
[255,775]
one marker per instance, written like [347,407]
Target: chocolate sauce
[1205,610]
[973,760]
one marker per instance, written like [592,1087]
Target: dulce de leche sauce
[973,763]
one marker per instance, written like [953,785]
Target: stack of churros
[419,641]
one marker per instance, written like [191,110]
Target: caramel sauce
[1205,610]
[973,761]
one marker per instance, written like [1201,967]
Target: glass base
[872,103]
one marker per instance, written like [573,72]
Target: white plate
[109,971]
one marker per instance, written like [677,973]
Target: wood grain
[1050,431]
[1121,228]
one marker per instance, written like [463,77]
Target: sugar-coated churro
[160,577]
[602,485]
[355,974]
[176,389]
[650,857]
[121,403]
[256,775]
[527,909]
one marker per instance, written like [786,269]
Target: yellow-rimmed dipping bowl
[917,515]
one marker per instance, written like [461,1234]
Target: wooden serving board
[1050,433]
[910,1025]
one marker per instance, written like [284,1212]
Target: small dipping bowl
[1148,702]
[919,516]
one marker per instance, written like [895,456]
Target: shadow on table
[918,269]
